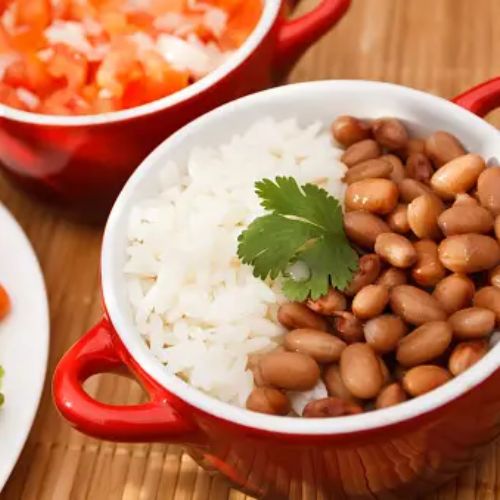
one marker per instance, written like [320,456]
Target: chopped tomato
[33,13]
[31,73]
[65,102]
[68,64]
[28,39]
[5,305]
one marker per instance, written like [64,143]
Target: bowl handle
[98,351]
[482,98]
[296,35]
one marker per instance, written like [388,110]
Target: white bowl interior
[270,12]
[309,102]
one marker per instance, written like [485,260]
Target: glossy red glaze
[399,460]
[84,167]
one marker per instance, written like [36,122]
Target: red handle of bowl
[482,98]
[296,35]
[97,352]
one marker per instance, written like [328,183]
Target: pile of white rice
[201,311]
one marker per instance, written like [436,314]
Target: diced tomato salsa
[4,302]
[75,57]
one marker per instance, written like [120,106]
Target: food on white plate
[5,306]
[319,271]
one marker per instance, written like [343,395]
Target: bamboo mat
[441,46]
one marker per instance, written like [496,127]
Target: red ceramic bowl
[84,161]
[391,453]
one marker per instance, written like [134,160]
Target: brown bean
[413,146]
[364,150]
[268,400]
[398,219]
[390,133]
[457,176]
[425,343]
[398,172]
[348,327]
[379,196]
[465,200]
[391,395]
[395,249]
[360,371]
[488,189]
[321,346]
[454,292]
[409,189]
[419,167]
[472,323]
[423,214]
[384,332]
[293,371]
[428,270]
[362,228]
[469,253]
[415,306]
[497,227]
[367,273]
[386,375]
[293,315]
[329,303]
[370,301]
[369,169]
[424,378]
[465,355]
[330,407]
[348,130]
[462,219]
[494,276]
[392,277]
[335,385]
[489,298]
[442,147]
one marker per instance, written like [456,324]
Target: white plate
[24,341]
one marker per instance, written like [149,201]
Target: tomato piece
[65,102]
[115,23]
[242,20]
[5,304]
[33,13]
[69,65]
[28,39]
[31,73]
[141,20]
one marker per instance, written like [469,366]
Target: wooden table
[441,46]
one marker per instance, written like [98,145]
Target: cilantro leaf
[305,224]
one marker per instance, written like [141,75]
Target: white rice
[198,308]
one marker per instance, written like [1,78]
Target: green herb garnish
[305,224]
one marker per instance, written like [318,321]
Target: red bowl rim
[267,19]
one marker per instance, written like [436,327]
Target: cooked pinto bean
[398,171]
[454,292]
[370,301]
[488,190]
[424,378]
[489,298]
[294,315]
[329,303]
[360,371]
[384,332]
[367,273]
[398,219]
[465,355]
[465,199]
[321,346]
[386,376]
[472,323]
[362,228]
[378,196]
[391,395]
[392,277]
[423,213]
[464,218]
[348,130]
[335,385]
[442,147]
[425,343]
[419,167]
[348,327]
[268,400]
[494,276]
[415,306]
[395,249]
[409,189]
[330,407]
[369,169]
[428,270]
[292,371]
[457,176]
[360,151]
[469,253]
[413,146]
[497,227]
[390,133]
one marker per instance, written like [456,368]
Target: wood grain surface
[440,46]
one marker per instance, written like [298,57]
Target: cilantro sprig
[304,224]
